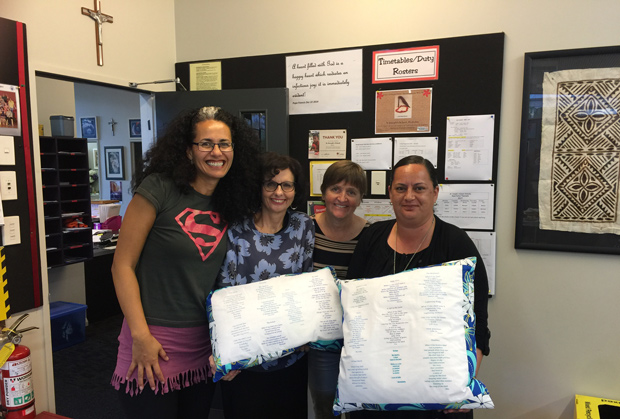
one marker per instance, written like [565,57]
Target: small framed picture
[10,115]
[88,125]
[114,163]
[96,159]
[135,129]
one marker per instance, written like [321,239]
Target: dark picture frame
[88,127]
[528,234]
[114,163]
[135,128]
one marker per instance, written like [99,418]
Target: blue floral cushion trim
[327,345]
[477,394]
[223,369]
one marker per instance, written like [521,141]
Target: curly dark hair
[273,163]
[235,195]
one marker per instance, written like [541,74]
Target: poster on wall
[373,210]
[469,147]
[403,111]
[486,243]
[327,144]
[317,171]
[116,190]
[205,76]
[408,64]
[419,146]
[372,153]
[9,110]
[468,206]
[324,83]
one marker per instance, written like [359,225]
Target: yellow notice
[205,76]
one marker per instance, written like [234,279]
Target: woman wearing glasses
[274,241]
[169,253]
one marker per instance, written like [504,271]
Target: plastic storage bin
[62,126]
[68,324]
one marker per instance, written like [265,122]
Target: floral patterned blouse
[253,256]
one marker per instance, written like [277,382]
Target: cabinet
[66,200]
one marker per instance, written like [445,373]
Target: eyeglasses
[270,186]
[209,146]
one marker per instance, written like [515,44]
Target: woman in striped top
[337,231]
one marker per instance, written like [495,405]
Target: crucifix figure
[112,123]
[99,19]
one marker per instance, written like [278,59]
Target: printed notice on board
[205,76]
[327,144]
[416,146]
[409,64]
[317,171]
[375,210]
[468,206]
[469,147]
[372,153]
[486,243]
[324,83]
[403,111]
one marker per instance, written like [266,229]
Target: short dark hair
[406,161]
[168,156]
[273,163]
[351,172]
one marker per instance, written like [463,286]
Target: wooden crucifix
[99,19]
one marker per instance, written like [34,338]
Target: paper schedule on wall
[469,147]
[468,206]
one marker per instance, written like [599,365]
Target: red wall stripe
[32,211]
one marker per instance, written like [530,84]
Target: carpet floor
[82,374]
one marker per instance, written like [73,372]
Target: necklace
[416,250]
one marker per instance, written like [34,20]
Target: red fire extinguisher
[17,389]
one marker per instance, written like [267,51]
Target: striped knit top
[337,254]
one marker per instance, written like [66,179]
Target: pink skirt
[188,350]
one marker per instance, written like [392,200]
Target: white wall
[550,316]
[54,97]
[551,319]
[139,46]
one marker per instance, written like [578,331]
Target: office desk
[100,295]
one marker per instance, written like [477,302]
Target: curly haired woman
[170,249]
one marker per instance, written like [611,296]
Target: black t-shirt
[373,257]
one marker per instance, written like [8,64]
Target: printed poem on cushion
[267,317]
[404,338]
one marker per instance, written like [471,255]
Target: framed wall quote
[569,166]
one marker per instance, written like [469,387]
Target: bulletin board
[469,82]
[19,263]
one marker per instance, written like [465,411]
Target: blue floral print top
[253,256]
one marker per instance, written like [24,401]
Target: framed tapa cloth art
[569,165]
[114,163]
